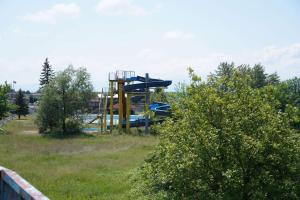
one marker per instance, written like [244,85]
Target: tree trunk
[19,116]
[64,112]
[64,126]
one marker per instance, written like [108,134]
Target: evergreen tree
[273,79]
[22,106]
[47,73]
[224,70]
[259,76]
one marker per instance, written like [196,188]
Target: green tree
[64,99]
[32,99]
[22,105]
[288,94]
[46,74]
[159,95]
[4,104]
[223,143]
[258,76]
[225,70]
[273,79]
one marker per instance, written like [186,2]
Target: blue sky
[161,37]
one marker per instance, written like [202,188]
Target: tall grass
[82,167]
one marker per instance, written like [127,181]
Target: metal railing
[120,75]
[14,187]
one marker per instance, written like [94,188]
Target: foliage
[22,105]
[159,95]
[180,92]
[288,94]
[225,140]
[4,105]
[32,99]
[73,126]
[65,97]
[46,74]
[2,131]
[258,77]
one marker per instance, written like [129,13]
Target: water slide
[141,87]
[159,108]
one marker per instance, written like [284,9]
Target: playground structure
[125,85]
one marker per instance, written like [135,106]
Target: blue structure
[141,87]
[160,109]
[134,86]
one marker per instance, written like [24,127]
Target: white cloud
[158,6]
[148,54]
[120,7]
[285,60]
[52,14]
[177,34]
[289,53]
[17,30]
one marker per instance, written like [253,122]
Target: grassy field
[82,167]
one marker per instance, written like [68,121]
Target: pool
[90,117]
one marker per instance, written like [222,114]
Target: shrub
[225,140]
[73,126]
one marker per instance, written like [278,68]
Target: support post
[147,104]
[128,112]
[120,97]
[111,106]
[105,113]
[101,116]
[98,115]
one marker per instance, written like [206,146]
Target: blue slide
[141,87]
[159,108]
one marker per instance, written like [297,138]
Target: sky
[159,37]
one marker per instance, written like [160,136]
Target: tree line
[64,96]
[20,104]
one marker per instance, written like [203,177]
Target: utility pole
[105,111]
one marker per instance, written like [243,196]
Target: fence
[14,187]
[7,119]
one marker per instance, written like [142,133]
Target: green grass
[82,167]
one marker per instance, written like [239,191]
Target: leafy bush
[73,126]
[225,140]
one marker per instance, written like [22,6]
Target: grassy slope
[74,168]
